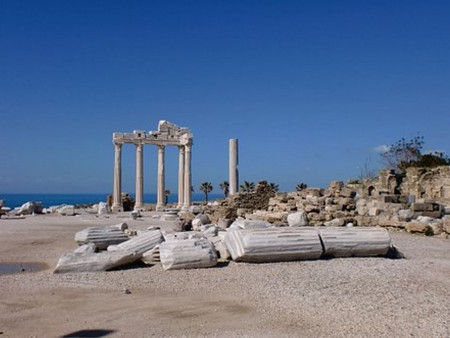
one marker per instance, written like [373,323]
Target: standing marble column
[139,191]
[160,199]
[187,177]
[117,191]
[233,166]
[181,152]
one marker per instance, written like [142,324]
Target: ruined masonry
[168,134]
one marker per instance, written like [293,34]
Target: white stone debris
[152,256]
[28,208]
[355,242]
[144,241]
[102,208]
[88,262]
[187,254]
[249,224]
[199,220]
[86,248]
[297,219]
[209,230]
[102,237]
[66,210]
[221,249]
[274,244]
[180,236]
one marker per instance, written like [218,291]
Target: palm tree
[206,188]
[301,186]
[166,195]
[247,186]
[225,186]
[273,187]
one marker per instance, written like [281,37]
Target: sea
[47,200]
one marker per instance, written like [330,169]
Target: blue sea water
[16,200]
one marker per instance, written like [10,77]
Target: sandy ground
[351,297]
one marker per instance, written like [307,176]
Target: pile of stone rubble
[338,205]
[109,247]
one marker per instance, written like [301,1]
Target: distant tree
[273,187]
[301,186]
[225,186]
[247,186]
[402,152]
[166,195]
[408,153]
[206,188]
[431,160]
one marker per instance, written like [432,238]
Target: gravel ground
[348,297]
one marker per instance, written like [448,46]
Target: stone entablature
[168,134]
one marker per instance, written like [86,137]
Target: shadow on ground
[88,333]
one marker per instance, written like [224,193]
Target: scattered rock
[273,245]
[297,219]
[89,262]
[249,224]
[187,254]
[102,237]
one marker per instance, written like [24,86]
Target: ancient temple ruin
[168,134]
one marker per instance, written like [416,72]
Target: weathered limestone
[249,224]
[419,227]
[160,198]
[199,220]
[151,257]
[141,243]
[66,210]
[209,230]
[139,200]
[233,166]
[117,191]
[355,242]
[187,254]
[86,248]
[168,134]
[89,262]
[28,208]
[297,219]
[221,249]
[102,209]
[181,154]
[102,237]
[274,244]
[187,178]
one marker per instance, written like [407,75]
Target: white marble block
[187,254]
[102,237]
[274,244]
[355,241]
[141,243]
[89,262]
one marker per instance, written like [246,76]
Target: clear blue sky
[309,88]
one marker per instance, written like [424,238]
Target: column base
[138,208]
[116,208]
[160,207]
